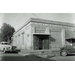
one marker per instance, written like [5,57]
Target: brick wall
[57,33]
[23,40]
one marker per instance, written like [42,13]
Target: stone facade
[39,32]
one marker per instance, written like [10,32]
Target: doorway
[41,42]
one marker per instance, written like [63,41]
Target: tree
[6,32]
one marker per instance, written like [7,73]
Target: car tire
[63,53]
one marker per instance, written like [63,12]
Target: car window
[5,43]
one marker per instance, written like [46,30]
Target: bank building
[41,34]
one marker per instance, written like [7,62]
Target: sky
[17,20]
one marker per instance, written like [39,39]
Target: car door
[70,49]
[0,46]
[73,51]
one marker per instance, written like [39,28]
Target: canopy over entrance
[70,36]
[41,42]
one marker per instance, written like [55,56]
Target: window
[5,43]
[23,38]
[15,40]
[56,39]
[19,39]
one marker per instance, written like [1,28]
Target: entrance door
[36,42]
[40,43]
[46,42]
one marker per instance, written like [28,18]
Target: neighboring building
[40,34]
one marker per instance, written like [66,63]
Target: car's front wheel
[63,53]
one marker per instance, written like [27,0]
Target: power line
[34,15]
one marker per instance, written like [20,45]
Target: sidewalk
[40,53]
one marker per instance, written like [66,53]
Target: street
[62,58]
[18,57]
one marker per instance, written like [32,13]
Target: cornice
[51,22]
[37,20]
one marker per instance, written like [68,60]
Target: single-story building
[40,34]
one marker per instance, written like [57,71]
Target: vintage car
[7,47]
[68,49]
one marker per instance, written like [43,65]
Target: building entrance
[41,42]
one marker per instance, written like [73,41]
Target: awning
[40,34]
[69,34]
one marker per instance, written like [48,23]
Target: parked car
[15,50]
[68,49]
[7,47]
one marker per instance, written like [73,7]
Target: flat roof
[37,20]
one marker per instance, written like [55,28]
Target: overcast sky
[18,19]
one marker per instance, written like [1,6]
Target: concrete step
[40,53]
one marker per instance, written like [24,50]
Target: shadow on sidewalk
[24,58]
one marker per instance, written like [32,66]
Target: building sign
[40,29]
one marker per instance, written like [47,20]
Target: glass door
[40,43]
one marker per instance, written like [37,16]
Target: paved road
[17,57]
[61,58]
